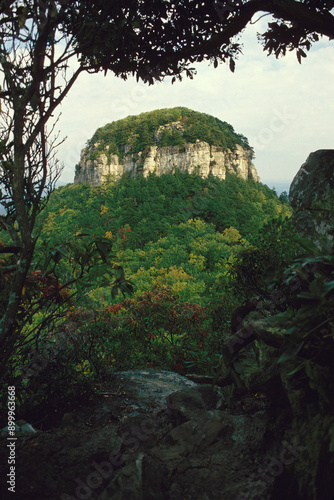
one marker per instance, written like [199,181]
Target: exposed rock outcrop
[311,196]
[132,444]
[197,157]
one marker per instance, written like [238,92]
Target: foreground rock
[130,444]
[311,196]
[210,452]
[151,388]
[21,426]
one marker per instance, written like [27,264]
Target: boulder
[5,431]
[151,387]
[188,403]
[312,196]
[21,427]
[130,444]
[209,453]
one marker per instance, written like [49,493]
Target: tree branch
[43,119]
[288,10]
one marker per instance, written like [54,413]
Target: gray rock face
[160,383]
[209,453]
[21,427]
[194,446]
[312,196]
[197,157]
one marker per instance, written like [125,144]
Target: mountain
[163,140]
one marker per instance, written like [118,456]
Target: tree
[36,46]
[284,197]
[156,38]
[150,39]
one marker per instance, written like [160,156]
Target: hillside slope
[180,228]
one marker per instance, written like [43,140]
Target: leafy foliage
[179,230]
[162,329]
[255,269]
[146,209]
[154,39]
[312,326]
[174,231]
[135,133]
[146,39]
[60,277]
[296,337]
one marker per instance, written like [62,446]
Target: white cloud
[285,109]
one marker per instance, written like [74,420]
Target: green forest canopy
[138,132]
[180,228]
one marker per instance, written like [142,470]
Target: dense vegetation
[47,347]
[193,258]
[179,229]
[180,240]
[139,132]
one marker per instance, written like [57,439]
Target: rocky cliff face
[198,157]
[311,196]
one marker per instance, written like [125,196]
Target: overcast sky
[285,109]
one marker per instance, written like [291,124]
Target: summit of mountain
[162,141]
